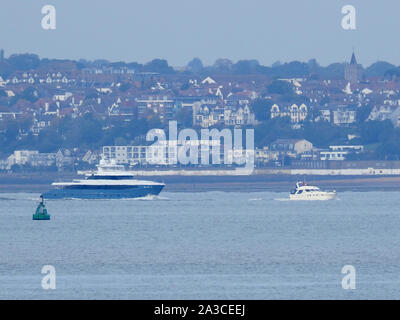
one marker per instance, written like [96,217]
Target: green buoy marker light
[41,211]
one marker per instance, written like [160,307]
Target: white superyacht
[110,181]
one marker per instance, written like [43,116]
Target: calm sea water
[212,245]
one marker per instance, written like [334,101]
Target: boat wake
[19,197]
[256,199]
[6,199]
[145,198]
[282,199]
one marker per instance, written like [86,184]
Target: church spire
[353,59]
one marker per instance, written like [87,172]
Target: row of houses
[215,153]
[39,78]
[188,152]
[386,112]
[207,116]
[297,114]
[34,158]
[338,115]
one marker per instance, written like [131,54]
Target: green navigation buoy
[41,211]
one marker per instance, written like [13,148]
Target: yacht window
[300,192]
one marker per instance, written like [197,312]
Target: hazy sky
[178,30]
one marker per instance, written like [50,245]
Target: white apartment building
[342,116]
[167,153]
[356,148]
[333,155]
[22,157]
[340,152]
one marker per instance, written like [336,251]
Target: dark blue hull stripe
[103,193]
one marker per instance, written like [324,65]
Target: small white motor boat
[306,192]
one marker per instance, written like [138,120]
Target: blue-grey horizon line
[196,57]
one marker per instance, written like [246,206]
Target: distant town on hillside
[66,115]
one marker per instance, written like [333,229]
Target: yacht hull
[104,192]
[313,196]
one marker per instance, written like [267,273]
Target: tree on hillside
[159,66]
[389,150]
[261,109]
[24,61]
[246,67]
[31,94]
[291,70]
[270,130]
[49,140]
[280,87]
[124,87]
[323,134]
[195,65]
[363,113]
[376,131]
[393,73]
[185,117]
[378,69]
[223,65]
[11,130]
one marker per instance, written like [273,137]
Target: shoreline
[41,182]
